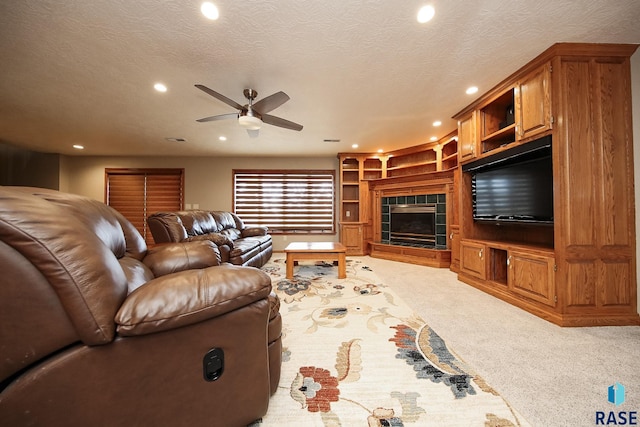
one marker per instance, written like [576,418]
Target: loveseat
[97,329]
[238,243]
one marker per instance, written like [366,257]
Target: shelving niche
[358,169]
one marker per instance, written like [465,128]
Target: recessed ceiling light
[426,13]
[209,10]
[437,123]
[354,145]
[222,138]
[380,150]
[433,138]
[160,87]
[472,90]
[78,147]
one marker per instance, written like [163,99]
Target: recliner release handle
[213,364]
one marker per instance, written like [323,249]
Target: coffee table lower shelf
[318,251]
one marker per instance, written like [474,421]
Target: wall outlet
[348,213]
[187,206]
[196,206]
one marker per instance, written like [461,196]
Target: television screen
[521,191]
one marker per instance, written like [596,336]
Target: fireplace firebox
[419,221]
[413,225]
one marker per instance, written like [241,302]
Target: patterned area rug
[354,354]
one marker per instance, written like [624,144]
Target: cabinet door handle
[509,262]
[480,253]
[451,236]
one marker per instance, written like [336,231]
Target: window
[137,193]
[286,201]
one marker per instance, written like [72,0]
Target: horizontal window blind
[290,201]
[138,193]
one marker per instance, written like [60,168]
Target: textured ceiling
[365,72]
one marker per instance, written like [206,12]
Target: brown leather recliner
[95,329]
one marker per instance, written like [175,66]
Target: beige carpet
[356,355]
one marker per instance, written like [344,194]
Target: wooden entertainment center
[580,270]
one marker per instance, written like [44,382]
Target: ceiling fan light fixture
[250,122]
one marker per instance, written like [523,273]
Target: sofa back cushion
[198,222]
[225,220]
[74,251]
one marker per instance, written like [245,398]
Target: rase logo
[616,396]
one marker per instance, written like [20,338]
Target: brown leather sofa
[97,329]
[238,244]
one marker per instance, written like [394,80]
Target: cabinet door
[351,237]
[454,238]
[467,137]
[472,259]
[532,276]
[533,106]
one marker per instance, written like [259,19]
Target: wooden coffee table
[319,251]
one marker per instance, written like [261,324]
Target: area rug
[354,354]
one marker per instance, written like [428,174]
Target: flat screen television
[517,190]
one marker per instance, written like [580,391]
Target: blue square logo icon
[616,394]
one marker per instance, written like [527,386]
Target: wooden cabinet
[467,137]
[351,238]
[516,113]
[532,276]
[472,259]
[525,272]
[533,103]
[581,271]
[454,238]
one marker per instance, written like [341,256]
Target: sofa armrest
[166,227]
[255,231]
[217,238]
[189,297]
[175,257]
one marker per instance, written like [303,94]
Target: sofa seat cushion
[243,246]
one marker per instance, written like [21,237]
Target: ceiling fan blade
[277,121]
[271,102]
[253,133]
[219,96]
[219,117]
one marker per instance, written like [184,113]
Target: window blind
[138,193]
[291,201]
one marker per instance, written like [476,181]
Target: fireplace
[419,221]
[413,225]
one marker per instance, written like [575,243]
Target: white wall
[208,180]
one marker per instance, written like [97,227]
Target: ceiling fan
[251,116]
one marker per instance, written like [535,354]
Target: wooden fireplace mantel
[425,183]
[441,182]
